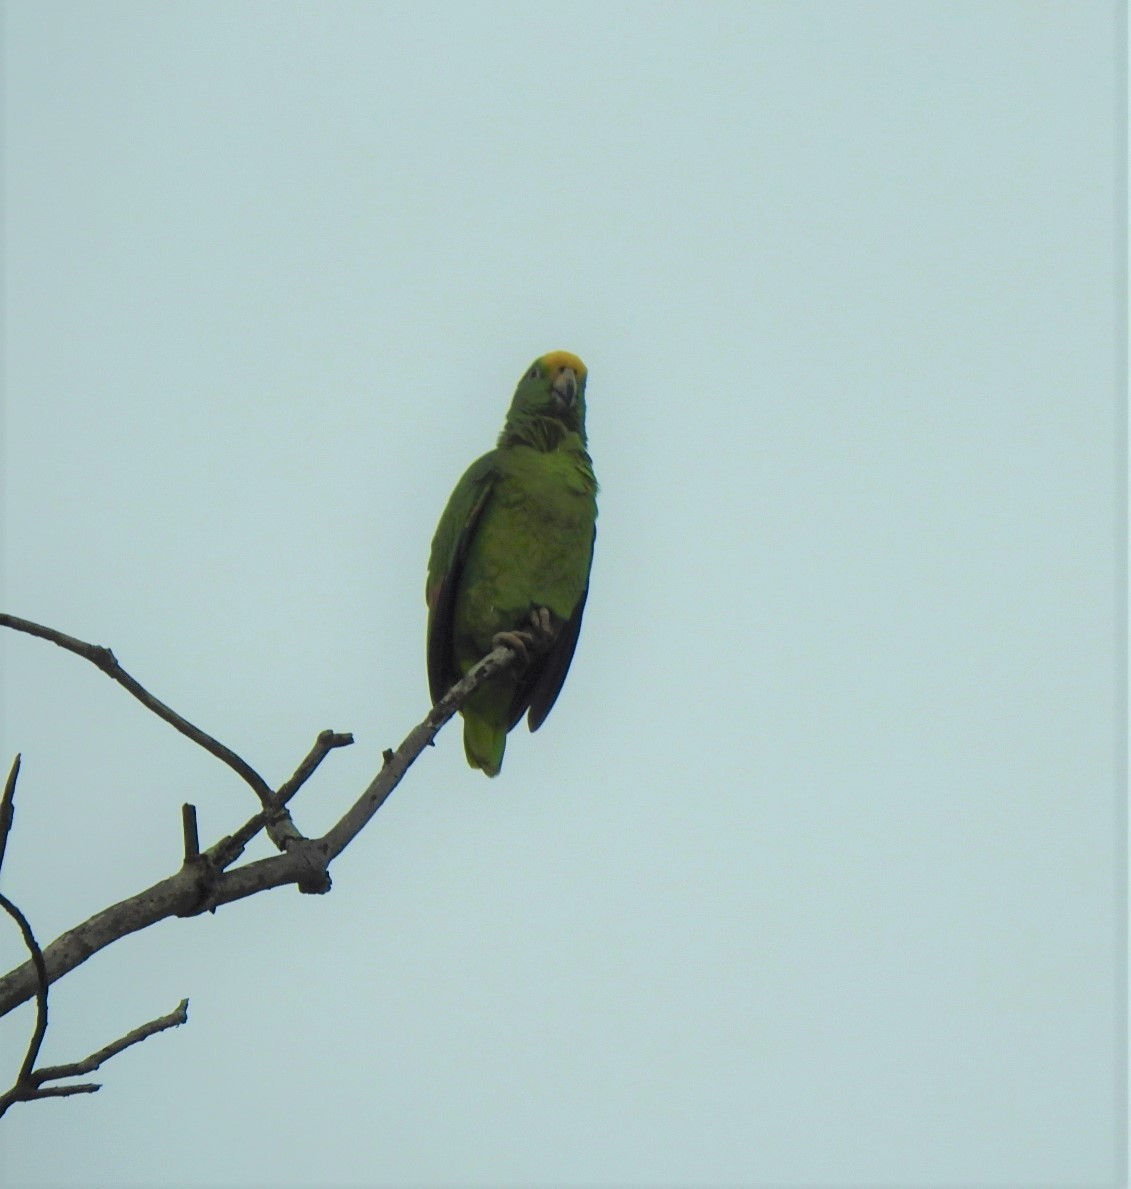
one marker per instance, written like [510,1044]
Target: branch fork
[208,877]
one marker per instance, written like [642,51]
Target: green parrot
[513,551]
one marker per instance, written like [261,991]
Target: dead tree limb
[23,1079]
[31,1082]
[282,829]
[207,880]
[104,659]
[8,806]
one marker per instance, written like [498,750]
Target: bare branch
[228,849]
[421,736]
[29,1081]
[23,1078]
[60,1091]
[177,895]
[30,1085]
[280,829]
[8,807]
[52,1073]
[304,863]
[105,660]
[326,742]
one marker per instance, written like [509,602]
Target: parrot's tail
[484,743]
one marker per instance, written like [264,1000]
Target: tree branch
[102,658]
[8,807]
[29,1081]
[39,970]
[225,852]
[326,742]
[206,879]
[59,1092]
[52,1073]
[204,885]
[30,1084]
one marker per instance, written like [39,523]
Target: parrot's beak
[565,388]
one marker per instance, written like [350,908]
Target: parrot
[511,557]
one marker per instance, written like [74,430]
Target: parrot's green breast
[532,549]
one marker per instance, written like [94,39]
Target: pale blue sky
[813,875]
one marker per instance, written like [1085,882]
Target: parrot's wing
[546,676]
[453,538]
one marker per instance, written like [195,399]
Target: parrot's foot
[542,623]
[530,640]
[518,642]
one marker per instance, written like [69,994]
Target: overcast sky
[814,874]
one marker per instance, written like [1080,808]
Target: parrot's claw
[533,639]
[543,625]
[519,642]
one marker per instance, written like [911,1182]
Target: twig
[421,736]
[60,1091]
[191,832]
[30,1084]
[105,660]
[40,1030]
[277,819]
[8,806]
[52,1073]
[326,742]
[305,863]
[227,850]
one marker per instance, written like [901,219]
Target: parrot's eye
[532,374]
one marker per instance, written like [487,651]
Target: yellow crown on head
[556,360]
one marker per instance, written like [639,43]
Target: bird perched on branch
[511,557]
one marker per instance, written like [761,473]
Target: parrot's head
[553,389]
